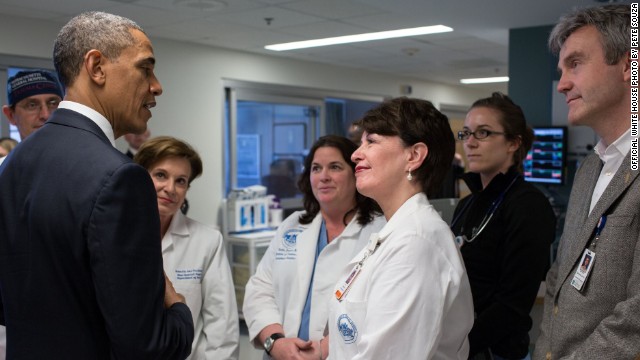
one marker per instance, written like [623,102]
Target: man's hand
[170,295]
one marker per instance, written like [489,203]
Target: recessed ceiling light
[205,5]
[486,80]
[360,37]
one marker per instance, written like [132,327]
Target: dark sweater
[506,262]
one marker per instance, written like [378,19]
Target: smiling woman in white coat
[193,253]
[286,300]
[406,294]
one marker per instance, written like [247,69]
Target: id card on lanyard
[344,286]
[587,260]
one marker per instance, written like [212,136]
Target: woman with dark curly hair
[285,304]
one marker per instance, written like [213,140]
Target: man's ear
[8,112]
[94,63]
[627,66]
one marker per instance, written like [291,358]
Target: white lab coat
[412,298]
[195,261]
[277,292]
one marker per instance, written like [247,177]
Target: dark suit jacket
[603,320]
[80,254]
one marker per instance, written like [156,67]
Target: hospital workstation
[253,114]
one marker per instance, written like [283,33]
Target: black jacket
[507,261]
[80,260]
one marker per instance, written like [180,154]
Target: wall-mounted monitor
[546,161]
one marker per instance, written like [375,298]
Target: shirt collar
[93,115]
[619,148]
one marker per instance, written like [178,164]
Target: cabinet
[245,252]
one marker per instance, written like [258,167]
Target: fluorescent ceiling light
[485,80]
[360,37]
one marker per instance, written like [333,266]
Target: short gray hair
[612,21]
[108,33]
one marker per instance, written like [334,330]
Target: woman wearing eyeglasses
[505,228]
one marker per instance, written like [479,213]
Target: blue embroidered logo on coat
[347,329]
[290,238]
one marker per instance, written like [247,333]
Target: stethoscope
[476,231]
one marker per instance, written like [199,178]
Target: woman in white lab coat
[406,295]
[194,254]
[286,300]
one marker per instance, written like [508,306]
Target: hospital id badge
[584,269]
[344,288]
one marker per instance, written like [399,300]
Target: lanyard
[487,217]
[344,287]
[599,228]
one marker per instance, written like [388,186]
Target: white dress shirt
[612,157]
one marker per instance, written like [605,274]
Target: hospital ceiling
[478,46]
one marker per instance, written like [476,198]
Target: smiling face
[490,155]
[381,163]
[592,87]
[332,180]
[171,179]
[131,87]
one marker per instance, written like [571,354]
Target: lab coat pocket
[350,324]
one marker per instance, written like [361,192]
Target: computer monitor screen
[545,162]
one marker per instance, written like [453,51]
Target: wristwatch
[268,342]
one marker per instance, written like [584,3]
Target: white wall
[191,107]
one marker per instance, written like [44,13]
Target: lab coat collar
[351,231]
[177,229]
[410,206]
[307,245]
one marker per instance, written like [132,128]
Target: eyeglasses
[478,134]
[36,106]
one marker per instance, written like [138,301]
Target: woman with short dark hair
[406,295]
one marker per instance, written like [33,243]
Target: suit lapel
[616,188]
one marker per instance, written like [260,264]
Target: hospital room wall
[192,105]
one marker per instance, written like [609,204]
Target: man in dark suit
[595,314]
[80,260]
